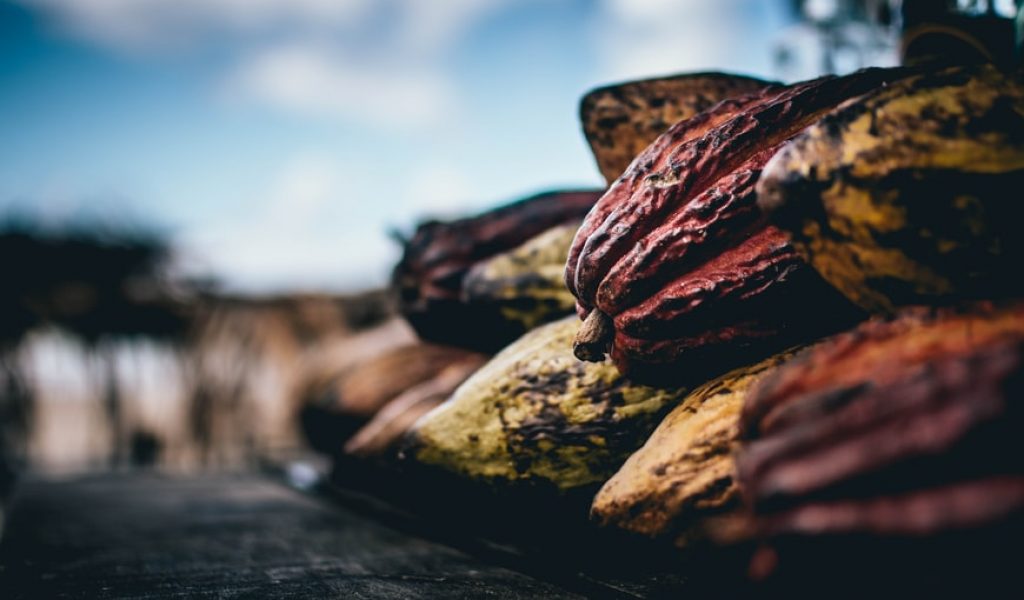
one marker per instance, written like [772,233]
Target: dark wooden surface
[146,536]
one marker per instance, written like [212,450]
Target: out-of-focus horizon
[277,141]
[196,195]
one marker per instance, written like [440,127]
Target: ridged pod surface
[535,414]
[622,119]
[910,194]
[675,267]
[429,277]
[899,429]
[525,284]
[685,472]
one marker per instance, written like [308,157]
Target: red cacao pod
[902,433]
[677,272]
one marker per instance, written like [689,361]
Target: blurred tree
[97,284]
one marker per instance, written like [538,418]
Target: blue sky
[276,141]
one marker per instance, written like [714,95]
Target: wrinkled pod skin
[910,195]
[429,278]
[676,264]
[894,439]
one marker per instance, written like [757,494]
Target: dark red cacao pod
[437,257]
[679,275]
[903,433]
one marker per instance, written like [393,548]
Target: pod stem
[594,338]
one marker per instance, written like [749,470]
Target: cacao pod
[329,361]
[897,430]
[524,285]
[906,195]
[430,276]
[676,269]
[337,407]
[685,471]
[621,120]
[371,384]
[383,432]
[536,415]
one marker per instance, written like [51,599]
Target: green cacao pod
[535,414]
[525,284]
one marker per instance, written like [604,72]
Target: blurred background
[196,195]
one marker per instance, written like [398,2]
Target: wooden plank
[146,536]
[518,534]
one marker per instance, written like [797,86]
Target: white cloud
[305,187]
[642,38]
[429,25]
[306,233]
[258,258]
[380,62]
[321,81]
[301,234]
[645,11]
[136,24]
[309,232]
[436,190]
[423,25]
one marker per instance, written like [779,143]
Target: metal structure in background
[840,36]
[837,36]
[959,31]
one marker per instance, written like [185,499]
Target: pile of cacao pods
[792,326]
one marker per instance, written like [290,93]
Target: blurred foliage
[91,281]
